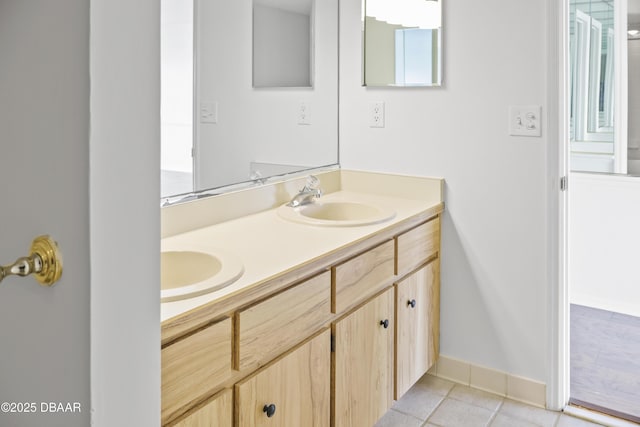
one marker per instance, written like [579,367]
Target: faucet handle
[313,182]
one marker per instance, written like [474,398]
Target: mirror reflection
[602,140]
[402,43]
[592,79]
[282,43]
[218,130]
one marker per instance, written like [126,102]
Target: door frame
[558,167]
[558,380]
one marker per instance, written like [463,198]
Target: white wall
[494,244]
[604,240]
[247,116]
[124,213]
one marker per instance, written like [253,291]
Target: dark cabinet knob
[269,410]
[411,303]
[385,323]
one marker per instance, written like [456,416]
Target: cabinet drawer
[293,391]
[273,326]
[417,245]
[193,366]
[363,276]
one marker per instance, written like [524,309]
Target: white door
[44,128]
[76,165]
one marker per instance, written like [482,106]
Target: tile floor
[435,402]
[605,361]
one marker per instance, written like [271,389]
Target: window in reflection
[402,43]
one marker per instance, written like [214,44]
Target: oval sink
[189,273]
[337,213]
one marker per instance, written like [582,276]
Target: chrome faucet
[310,191]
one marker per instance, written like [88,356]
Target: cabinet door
[417,302]
[364,363]
[292,391]
[215,413]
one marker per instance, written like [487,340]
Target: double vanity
[314,314]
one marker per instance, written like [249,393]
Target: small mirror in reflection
[402,43]
[282,43]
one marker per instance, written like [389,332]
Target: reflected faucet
[310,191]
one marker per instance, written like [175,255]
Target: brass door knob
[44,262]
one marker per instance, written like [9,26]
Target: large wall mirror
[604,70]
[222,125]
[402,43]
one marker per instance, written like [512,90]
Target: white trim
[597,417]
[557,390]
[620,86]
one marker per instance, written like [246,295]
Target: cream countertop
[269,245]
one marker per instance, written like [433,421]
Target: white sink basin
[189,273]
[338,213]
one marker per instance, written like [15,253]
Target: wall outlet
[209,112]
[376,114]
[304,113]
[525,121]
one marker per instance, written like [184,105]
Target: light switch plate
[525,120]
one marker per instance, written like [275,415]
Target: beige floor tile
[397,419]
[569,421]
[419,401]
[437,385]
[476,397]
[536,416]
[502,420]
[454,413]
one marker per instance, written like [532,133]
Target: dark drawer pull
[385,323]
[411,303]
[269,410]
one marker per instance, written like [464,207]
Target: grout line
[495,413]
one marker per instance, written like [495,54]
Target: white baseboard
[491,380]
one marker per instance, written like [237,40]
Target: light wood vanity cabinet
[363,363]
[292,391]
[333,347]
